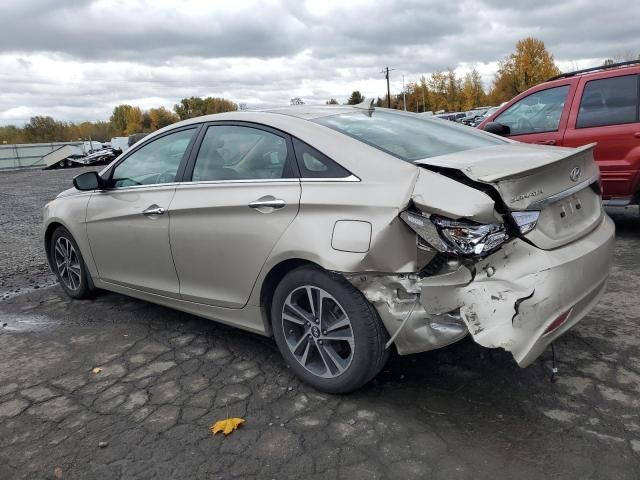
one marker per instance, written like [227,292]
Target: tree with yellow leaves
[126,119]
[529,65]
[473,94]
[161,117]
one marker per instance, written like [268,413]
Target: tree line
[528,65]
[125,120]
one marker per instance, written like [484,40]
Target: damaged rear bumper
[520,298]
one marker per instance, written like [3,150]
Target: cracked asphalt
[463,412]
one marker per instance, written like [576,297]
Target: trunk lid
[555,181]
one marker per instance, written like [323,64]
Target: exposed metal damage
[518,298]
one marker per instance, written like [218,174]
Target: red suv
[597,105]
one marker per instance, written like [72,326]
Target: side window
[610,101]
[154,163]
[314,164]
[231,152]
[536,113]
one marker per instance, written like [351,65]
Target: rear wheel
[328,333]
[68,264]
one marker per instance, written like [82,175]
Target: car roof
[615,67]
[310,112]
[302,112]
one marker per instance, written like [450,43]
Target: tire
[73,274]
[342,348]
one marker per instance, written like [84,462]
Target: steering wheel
[524,125]
[168,176]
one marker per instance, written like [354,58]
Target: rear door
[541,116]
[241,193]
[606,111]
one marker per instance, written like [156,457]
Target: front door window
[156,162]
[536,113]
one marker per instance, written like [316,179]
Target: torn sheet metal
[412,329]
[506,300]
[519,291]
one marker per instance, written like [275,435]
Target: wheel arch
[51,227]
[48,233]
[271,281]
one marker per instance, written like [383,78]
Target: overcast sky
[76,59]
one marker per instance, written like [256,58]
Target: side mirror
[88,181]
[497,128]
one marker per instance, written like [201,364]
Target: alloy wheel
[67,263]
[318,331]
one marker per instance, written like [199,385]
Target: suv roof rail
[593,69]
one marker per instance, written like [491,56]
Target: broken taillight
[563,317]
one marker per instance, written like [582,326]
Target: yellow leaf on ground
[226,426]
[96,370]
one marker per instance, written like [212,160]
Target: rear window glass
[610,101]
[406,136]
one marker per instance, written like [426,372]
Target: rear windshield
[407,136]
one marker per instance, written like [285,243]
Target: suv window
[232,152]
[609,101]
[314,164]
[536,113]
[155,162]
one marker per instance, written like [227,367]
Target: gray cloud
[78,58]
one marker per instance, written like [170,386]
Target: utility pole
[404,95]
[386,74]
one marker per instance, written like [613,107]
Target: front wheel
[68,264]
[327,332]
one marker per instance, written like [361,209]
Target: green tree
[43,129]
[332,101]
[126,119]
[12,134]
[198,106]
[355,98]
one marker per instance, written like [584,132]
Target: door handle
[637,134]
[153,210]
[268,202]
[545,142]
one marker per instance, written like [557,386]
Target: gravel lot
[459,413]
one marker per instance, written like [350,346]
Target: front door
[243,195]
[128,223]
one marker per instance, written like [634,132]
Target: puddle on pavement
[25,322]
[26,290]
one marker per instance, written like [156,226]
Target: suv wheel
[68,264]
[327,332]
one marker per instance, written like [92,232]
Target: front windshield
[408,136]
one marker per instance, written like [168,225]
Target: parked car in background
[471,116]
[596,105]
[452,116]
[485,115]
[273,222]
